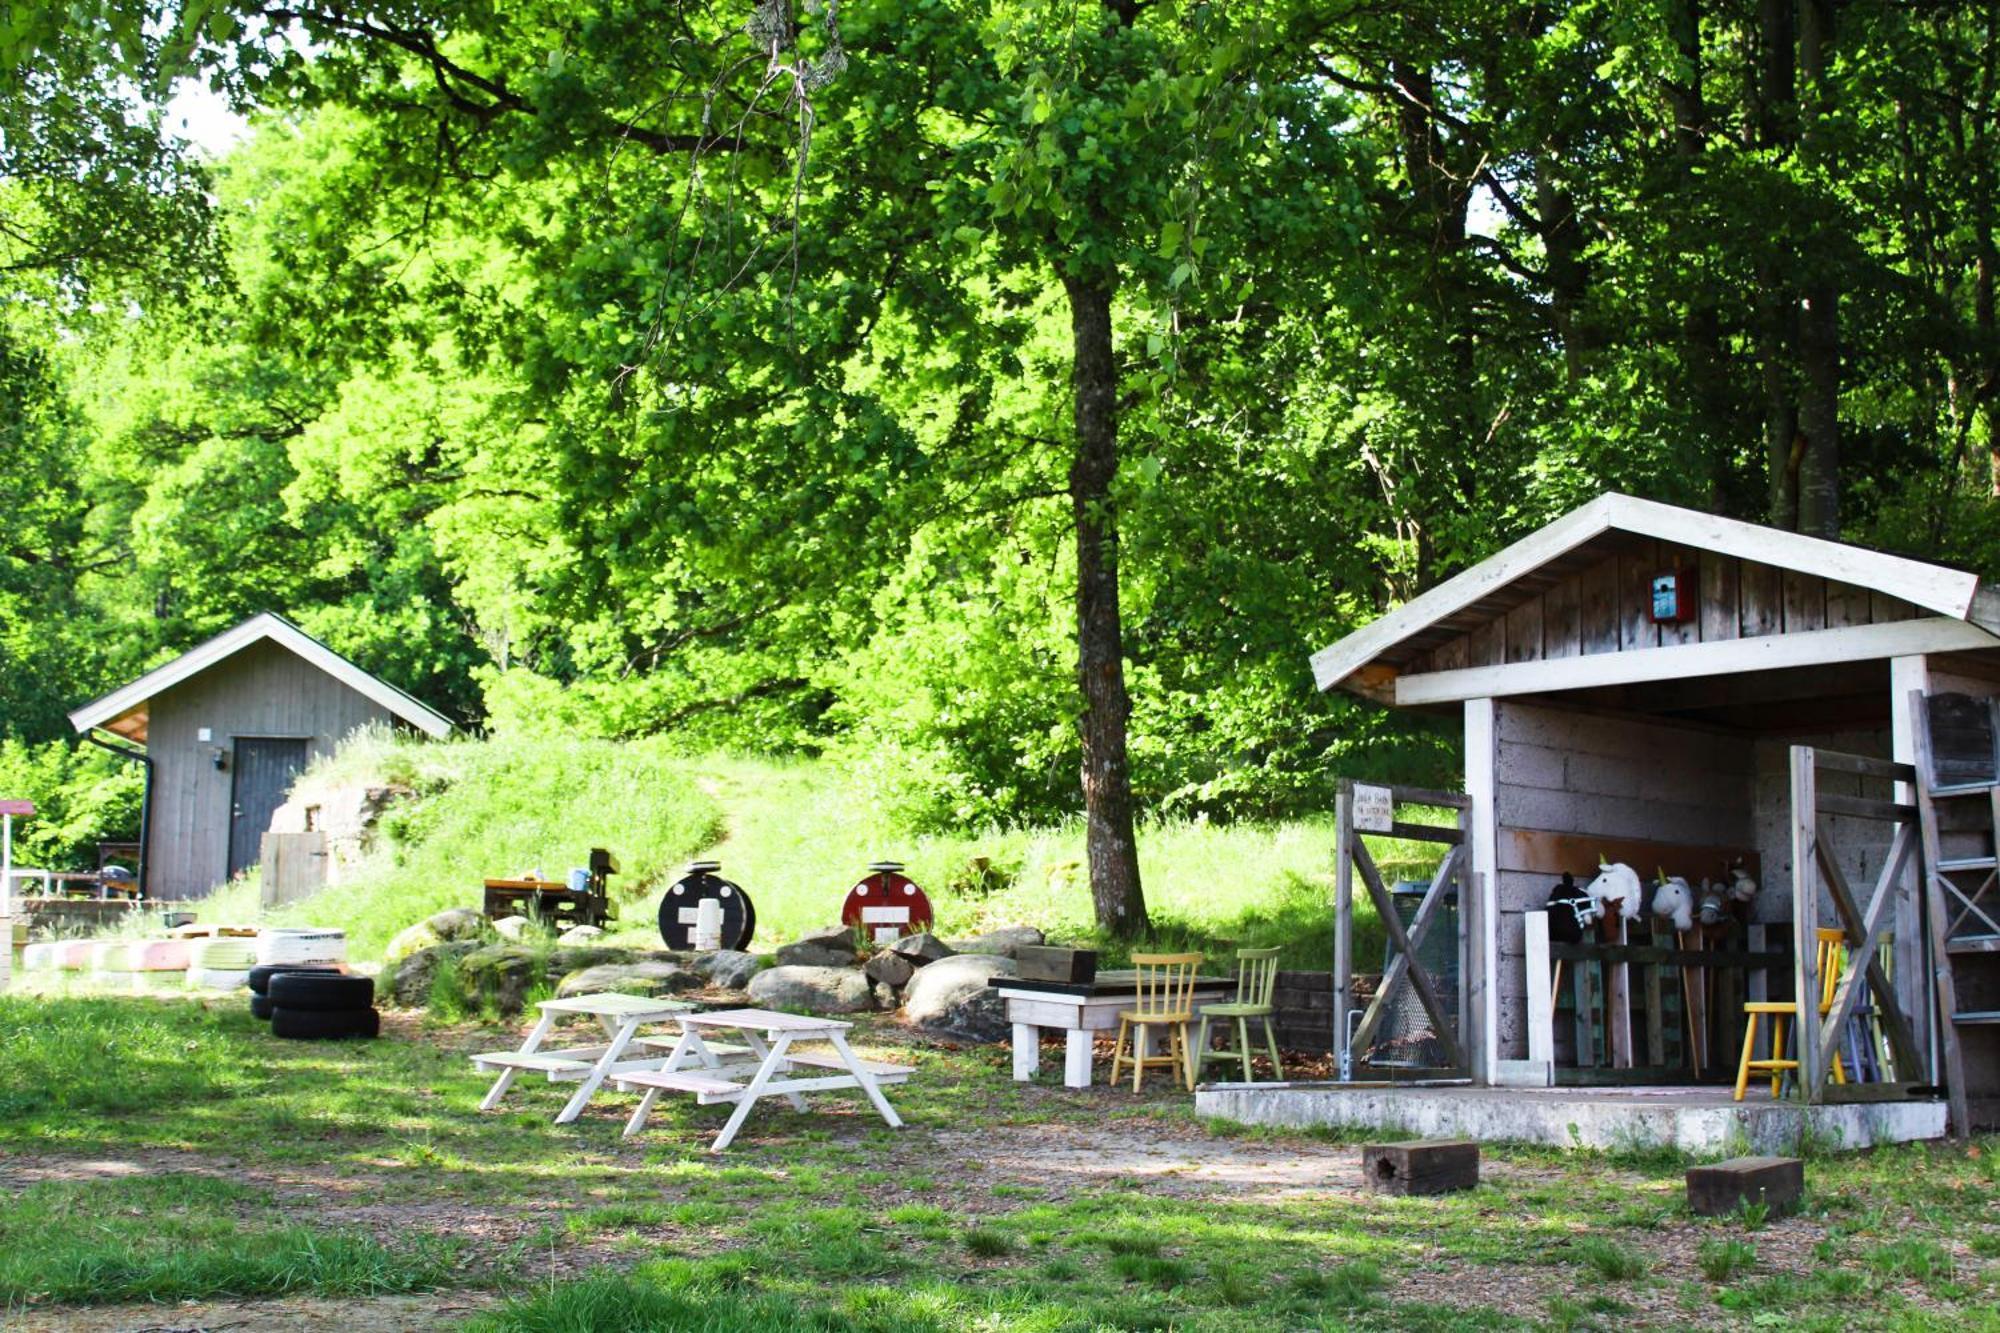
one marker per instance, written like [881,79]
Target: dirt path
[381,1314]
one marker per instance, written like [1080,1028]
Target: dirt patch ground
[385,1314]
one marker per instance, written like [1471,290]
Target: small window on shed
[312,818]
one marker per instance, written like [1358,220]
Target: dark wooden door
[263,769]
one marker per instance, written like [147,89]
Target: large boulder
[649,976]
[728,969]
[409,940]
[512,927]
[460,923]
[411,977]
[501,975]
[833,947]
[921,948]
[952,997]
[816,990]
[1003,942]
[581,935]
[890,969]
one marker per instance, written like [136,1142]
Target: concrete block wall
[1565,771]
[1860,843]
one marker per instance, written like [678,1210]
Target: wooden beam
[1544,852]
[1864,807]
[1481,820]
[1867,766]
[1901,1044]
[1343,917]
[1766,653]
[1541,993]
[1805,917]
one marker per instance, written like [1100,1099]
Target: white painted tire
[218,979]
[221,955]
[294,946]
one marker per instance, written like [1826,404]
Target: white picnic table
[768,1058]
[621,1017]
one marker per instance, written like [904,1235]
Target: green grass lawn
[796,835]
[168,1150]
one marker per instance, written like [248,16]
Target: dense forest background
[794,376]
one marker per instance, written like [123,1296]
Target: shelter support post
[1480,916]
[1343,928]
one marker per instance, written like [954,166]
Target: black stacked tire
[260,983]
[260,976]
[322,1024]
[318,1005]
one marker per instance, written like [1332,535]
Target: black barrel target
[683,899]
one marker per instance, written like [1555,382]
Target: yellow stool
[1831,952]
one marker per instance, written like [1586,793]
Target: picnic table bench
[768,1060]
[621,1017]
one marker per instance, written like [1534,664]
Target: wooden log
[1422,1166]
[1779,1183]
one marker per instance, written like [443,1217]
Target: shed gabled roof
[131,701]
[1944,591]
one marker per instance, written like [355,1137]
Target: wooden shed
[1693,696]
[225,728]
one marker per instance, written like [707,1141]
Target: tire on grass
[318,990]
[260,975]
[324,1024]
[260,1006]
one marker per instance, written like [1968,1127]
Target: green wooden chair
[1256,980]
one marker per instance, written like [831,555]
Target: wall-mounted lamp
[221,758]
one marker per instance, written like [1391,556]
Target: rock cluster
[943,988]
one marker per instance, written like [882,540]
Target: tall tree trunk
[1986,262]
[1701,327]
[1777,311]
[1109,837]
[1819,321]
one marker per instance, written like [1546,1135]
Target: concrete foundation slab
[1698,1121]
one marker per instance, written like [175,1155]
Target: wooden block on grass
[1422,1166]
[1779,1183]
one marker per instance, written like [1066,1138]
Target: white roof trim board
[226,644]
[1948,592]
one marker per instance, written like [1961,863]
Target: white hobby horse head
[1620,883]
[1674,899]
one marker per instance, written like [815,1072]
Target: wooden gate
[1361,809]
[1814,863]
[294,866]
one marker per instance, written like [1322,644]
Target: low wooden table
[621,1017]
[1081,1009]
[770,1037]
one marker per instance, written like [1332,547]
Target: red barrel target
[887,904]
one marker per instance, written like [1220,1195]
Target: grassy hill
[795,834]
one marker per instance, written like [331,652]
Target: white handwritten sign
[1374,809]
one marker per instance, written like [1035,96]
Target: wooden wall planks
[1606,608]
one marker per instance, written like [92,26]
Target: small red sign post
[887,904]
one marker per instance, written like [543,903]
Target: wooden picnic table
[621,1017]
[769,1037]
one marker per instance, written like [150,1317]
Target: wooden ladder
[1957,742]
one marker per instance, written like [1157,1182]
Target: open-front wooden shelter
[1695,696]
